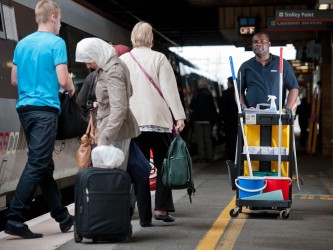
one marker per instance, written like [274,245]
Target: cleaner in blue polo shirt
[259,76]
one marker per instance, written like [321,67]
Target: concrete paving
[206,224]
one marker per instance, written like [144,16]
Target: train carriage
[17,21]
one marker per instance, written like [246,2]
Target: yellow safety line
[211,238]
[227,241]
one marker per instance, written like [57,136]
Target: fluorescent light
[324,6]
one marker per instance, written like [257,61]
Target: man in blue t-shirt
[260,76]
[39,67]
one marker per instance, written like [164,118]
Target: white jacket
[146,104]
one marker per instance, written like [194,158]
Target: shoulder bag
[71,122]
[138,167]
[83,154]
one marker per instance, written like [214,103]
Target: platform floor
[206,224]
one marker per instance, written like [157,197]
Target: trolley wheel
[234,212]
[77,237]
[284,214]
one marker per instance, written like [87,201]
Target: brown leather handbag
[83,154]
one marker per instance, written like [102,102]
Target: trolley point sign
[304,15]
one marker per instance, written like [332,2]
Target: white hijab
[94,50]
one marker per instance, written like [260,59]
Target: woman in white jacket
[152,112]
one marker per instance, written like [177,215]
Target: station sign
[274,25]
[304,15]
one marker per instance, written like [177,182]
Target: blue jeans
[40,128]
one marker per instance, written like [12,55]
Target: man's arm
[291,100]
[64,78]
[13,76]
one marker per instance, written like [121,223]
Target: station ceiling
[201,22]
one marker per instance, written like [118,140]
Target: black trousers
[159,143]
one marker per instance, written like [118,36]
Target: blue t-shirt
[260,81]
[36,57]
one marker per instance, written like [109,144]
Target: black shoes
[165,218]
[21,230]
[65,226]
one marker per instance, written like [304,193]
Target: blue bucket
[249,186]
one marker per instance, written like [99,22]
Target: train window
[2,24]
[72,36]
[9,22]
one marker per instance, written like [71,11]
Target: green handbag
[177,167]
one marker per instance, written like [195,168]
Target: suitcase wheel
[77,238]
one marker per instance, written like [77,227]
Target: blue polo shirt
[36,57]
[258,81]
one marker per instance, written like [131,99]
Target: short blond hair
[142,35]
[44,9]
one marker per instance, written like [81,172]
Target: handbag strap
[152,82]
[148,76]
[91,125]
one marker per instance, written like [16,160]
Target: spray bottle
[273,105]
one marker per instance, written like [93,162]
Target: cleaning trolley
[262,171]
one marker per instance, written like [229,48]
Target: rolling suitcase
[102,205]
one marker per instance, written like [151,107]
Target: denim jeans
[40,128]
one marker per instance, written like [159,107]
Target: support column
[326,76]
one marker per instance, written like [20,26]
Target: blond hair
[142,35]
[44,9]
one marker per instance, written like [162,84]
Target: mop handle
[280,110]
[241,118]
[235,84]
[281,80]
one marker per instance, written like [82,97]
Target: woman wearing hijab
[115,122]
[86,96]
[153,115]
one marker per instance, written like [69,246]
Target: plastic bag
[107,157]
